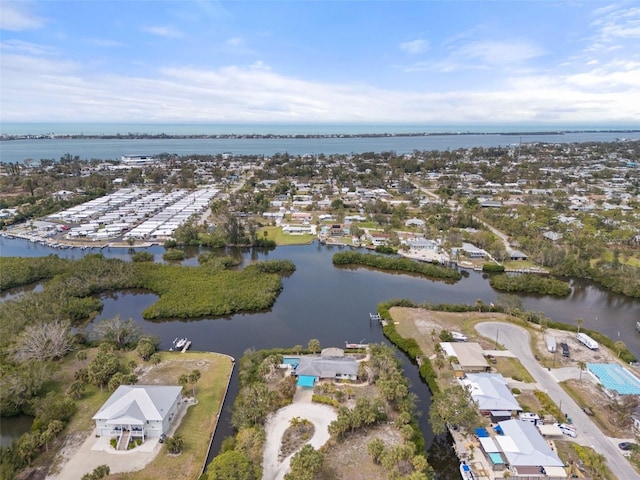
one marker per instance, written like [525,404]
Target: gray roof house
[141,410]
[527,451]
[491,393]
[329,367]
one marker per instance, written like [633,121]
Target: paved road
[516,339]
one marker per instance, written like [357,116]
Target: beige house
[467,356]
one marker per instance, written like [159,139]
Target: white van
[567,429]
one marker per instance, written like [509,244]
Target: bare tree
[119,332]
[44,341]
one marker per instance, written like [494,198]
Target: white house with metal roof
[527,452]
[490,392]
[143,410]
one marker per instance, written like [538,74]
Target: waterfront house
[419,243]
[491,392]
[466,357]
[472,251]
[142,410]
[527,452]
[332,364]
[517,255]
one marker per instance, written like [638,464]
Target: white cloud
[40,88]
[616,23]
[27,48]
[489,54]
[414,47]
[17,16]
[163,31]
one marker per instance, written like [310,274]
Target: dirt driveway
[320,415]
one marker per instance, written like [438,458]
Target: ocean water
[87,148]
[281,129]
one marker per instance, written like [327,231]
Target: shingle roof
[327,367]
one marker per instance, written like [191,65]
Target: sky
[381,62]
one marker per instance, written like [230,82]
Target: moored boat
[465,471]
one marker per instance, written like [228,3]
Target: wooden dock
[186,346]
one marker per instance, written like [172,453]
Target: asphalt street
[516,339]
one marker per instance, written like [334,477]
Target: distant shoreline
[258,136]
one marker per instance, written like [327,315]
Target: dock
[377,317]
[186,346]
[637,326]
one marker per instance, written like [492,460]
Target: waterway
[113,149]
[333,304]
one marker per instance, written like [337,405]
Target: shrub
[113,442]
[398,264]
[142,256]
[516,391]
[492,267]
[173,254]
[325,400]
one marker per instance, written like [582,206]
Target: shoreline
[302,136]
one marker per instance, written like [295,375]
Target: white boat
[465,471]
[356,345]
[179,343]
[458,337]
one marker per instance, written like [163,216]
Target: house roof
[490,391]
[469,354]
[327,367]
[523,445]
[138,403]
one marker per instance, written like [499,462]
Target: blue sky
[424,62]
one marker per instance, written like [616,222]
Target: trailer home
[587,341]
[551,343]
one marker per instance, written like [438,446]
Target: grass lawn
[518,264]
[607,256]
[275,234]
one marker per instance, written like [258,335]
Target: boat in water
[179,343]
[465,471]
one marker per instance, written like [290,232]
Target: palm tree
[619,346]
[479,305]
[581,366]
[193,379]
[580,323]
[183,380]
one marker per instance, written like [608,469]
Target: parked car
[162,438]
[588,411]
[627,446]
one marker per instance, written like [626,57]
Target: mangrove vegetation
[396,264]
